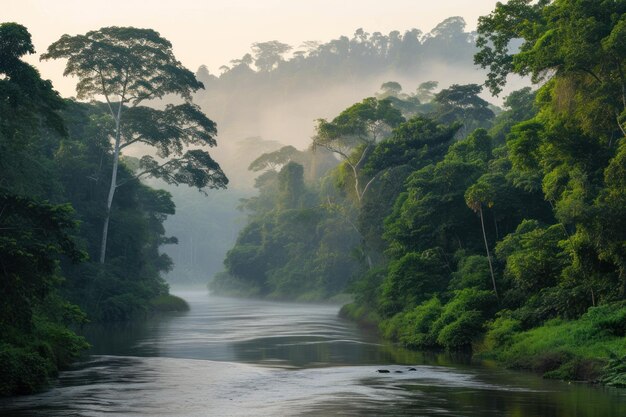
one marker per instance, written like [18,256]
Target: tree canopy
[128,66]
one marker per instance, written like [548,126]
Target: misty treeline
[356,56]
[456,226]
[276,90]
[271,95]
[268,99]
[60,160]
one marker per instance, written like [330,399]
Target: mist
[260,111]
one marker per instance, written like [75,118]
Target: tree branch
[104,92]
[147,171]
[371,181]
[364,155]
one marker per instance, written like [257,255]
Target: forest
[456,215]
[456,224]
[80,233]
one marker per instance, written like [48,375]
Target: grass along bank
[590,349]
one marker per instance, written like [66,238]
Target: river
[233,357]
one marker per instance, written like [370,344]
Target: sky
[213,32]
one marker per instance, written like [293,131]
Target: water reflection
[249,331]
[255,358]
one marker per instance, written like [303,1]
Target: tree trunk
[493,278]
[357,187]
[105,227]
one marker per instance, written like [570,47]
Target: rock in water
[383,371]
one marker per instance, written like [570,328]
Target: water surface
[230,357]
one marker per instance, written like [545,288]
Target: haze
[212,33]
[253,114]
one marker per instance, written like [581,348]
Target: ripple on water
[184,387]
[229,357]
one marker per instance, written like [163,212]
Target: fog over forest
[389,222]
[272,96]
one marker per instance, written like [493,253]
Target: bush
[363,315]
[615,371]
[610,318]
[466,300]
[501,331]
[461,332]
[168,302]
[417,332]
[24,370]
[567,349]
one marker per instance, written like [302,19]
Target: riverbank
[246,357]
[33,362]
[590,349]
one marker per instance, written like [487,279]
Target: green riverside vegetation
[462,226]
[451,223]
[57,158]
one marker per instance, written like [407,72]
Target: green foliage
[168,302]
[432,324]
[534,256]
[472,272]
[24,370]
[412,279]
[566,349]
[292,247]
[128,66]
[138,61]
[518,105]
[432,184]
[54,157]
[417,142]
[413,328]
[460,333]
[501,331]
[461,103]
[466,300]
[615,371]
[574,42]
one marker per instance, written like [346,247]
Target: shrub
[501,331]
[23,370]
[460,333]
[168,302]
[615,371]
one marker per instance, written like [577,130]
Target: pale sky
[213,32]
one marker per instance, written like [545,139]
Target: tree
[267,55]
[579,43]
[461,103]
[128,66]
[273,161]
[425,91]
[476,196]
[390,88]
[518,107]
[28,104]
[291,188]
[353,134]
[25,99]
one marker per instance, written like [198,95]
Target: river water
[232,357]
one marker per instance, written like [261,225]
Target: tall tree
[578,44]
[128,66]
[461,103]
[267,55]
[475,197]
[353,134]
